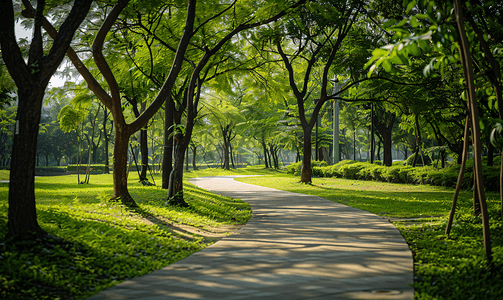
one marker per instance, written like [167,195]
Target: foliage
[100,243]
[399,173]
[454,267]
[94,167]
[50,170]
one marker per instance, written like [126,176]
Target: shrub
[95,169]
[50,169]
[350,171]
[294,168]
[399,174]
[317,168]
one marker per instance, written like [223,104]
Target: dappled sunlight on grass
[386,199]
[101,242]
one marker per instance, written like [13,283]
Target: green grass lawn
[94,243]
[4,175]
[385,199]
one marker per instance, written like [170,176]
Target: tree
[31,78]
[310,43]
[445,26]
[70,119]
[112,101]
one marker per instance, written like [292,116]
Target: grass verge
[451,267]
[94,244]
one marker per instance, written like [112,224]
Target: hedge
[399,173]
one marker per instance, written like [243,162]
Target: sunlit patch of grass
[4,175]
[386,199]
[100,242]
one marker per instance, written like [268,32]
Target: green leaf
[386,64]
[410,6]
[389,23]
[414,22]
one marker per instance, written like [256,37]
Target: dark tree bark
[106,138]
[194,154]
[383,122]
[466,60]
[266,162]
[460,176]
[31,79]
[167,160]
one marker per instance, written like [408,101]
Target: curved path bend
[294,247]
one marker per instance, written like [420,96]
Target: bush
[50,169]
[294,168]
[316,166]
[400,173]
[350,171]
[95,169]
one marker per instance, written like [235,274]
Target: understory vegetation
[403,173]
[94,243]
[445,267]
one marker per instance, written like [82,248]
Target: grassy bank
[94,243]
[445,267]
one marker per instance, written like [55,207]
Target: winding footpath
[294,247]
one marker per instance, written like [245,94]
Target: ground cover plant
[94,243]
[451,267]
[400,172]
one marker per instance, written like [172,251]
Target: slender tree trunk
[231,152]
[144,154]
[460,176]
[306,171]
[22,212]
[354,145]
[466,60]
[167,159]
[106,137]
[225,150]
[264,147]
[194,153]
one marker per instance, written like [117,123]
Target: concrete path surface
[294,247]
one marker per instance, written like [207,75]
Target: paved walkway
[294,247]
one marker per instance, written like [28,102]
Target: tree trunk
[167,159]
[175,193]
[231,153]
[264,147]
[194,153]
[388,159]
[354,145]
[105,134]
[22,212]
[121,192]
[225,150]
[466,60]
[306,171]
[460,176]
[144,154]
